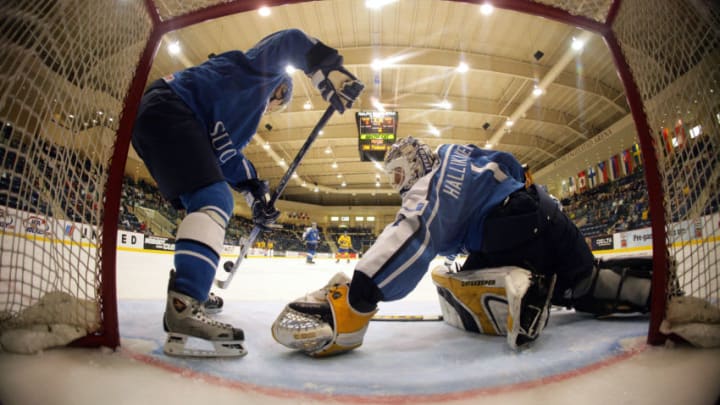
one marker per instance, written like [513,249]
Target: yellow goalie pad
[475,300]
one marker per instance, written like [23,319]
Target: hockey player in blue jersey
[523,255]
[311,236]
[190,131]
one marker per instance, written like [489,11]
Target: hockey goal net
[73,72]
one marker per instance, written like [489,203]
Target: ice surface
[577,359]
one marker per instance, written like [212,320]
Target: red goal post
[73,73]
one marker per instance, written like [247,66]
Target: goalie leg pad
[615,286]
[323,323]
[529,298]
[507,301]
[473,300]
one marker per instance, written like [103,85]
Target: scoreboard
[377,131]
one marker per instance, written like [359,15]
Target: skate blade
[213,311]
[180,345]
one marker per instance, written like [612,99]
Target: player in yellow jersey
[344,246]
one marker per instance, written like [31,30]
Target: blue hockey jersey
[229,92]
[442,214]
[311,236]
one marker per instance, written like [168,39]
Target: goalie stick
[407,318]
[231,267]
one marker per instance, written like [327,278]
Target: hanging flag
[615,167]
[680,136]
[581,181]
[627,161]
[591,177]
[602,173]
[667,140]
[637,155]
[571,184]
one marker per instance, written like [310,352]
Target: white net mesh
[594,9]
[66,67]
[673,50]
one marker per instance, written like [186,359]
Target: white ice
[429,355]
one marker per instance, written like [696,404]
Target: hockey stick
[407,318]
[231,267]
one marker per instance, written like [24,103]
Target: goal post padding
[73,73]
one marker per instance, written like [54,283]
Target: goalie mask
[281,96]
[406,162]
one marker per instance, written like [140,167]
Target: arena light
[377,104]
[486,9]
[377,4]
[174,48]
[577,44]
[445,105]
[377,65]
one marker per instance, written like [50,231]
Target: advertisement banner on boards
[601,242]
[130,239]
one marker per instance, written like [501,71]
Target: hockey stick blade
[407,318]
[220,283]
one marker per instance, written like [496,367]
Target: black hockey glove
[257,195]
[338,87]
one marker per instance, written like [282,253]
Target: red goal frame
[110,336]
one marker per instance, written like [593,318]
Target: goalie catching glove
[508,301]
[322,323]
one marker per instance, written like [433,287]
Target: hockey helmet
[407,161]
[281,96]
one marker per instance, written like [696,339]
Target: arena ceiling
[420,45]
